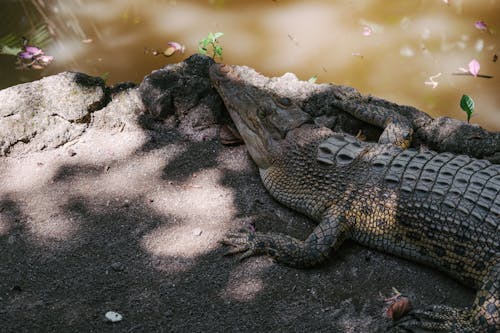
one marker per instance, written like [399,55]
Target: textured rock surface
[49,112]
[182,95]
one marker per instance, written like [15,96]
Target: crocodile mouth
[262,119]
[243,112]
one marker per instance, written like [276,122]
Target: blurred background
[404,51]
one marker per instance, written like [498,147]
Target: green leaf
[204,42]
[313,79]
[467,104]
[218,35]
[218,50]
[10,50]
[202,50]
[211,37]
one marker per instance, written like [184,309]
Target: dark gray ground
[117,227]
[127,216]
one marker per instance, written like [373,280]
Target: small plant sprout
[211,41]
[467,104]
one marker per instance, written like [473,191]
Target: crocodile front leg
[483,316]
[290,251]
[398,130]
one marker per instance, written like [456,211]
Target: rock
[447,134]
[197,232]
[182,94]
[49,112]
[113,317]
[122,112]
[118,266]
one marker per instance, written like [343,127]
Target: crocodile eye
[284,101]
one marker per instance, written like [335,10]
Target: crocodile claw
[436,318]
[241,242]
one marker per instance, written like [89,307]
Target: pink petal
[481,25]
[177,46]
[45,59]
[33,50]
[25,55]
[474,67]
[367,31]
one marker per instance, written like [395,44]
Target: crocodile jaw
[262,122]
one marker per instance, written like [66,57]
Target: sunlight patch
[181,240]
[195,199]
[54,228]
[245,282]
[244,290]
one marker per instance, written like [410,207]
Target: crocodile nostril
[224,69]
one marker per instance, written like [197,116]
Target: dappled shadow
[68,172]
[148,250]
[195,157]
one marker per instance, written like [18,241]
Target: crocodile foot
[437,318]
[243,241]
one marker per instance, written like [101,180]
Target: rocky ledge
[58,109]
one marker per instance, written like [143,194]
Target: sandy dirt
[131,222]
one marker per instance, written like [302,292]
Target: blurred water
[384,48]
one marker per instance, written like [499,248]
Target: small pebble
[197,232]
[71,152]
[113,316]
[117,266]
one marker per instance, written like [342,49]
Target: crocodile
[438,209]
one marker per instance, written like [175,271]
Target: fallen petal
[168,51]
[45,59]
[398,309]
[367,31]
[25,55]
[433,84]
[474,67]
[481,25]
[177,46]
[33,50]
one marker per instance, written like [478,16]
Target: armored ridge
[438,209]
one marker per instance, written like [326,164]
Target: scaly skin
[441,210]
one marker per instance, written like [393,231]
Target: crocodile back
[436,208]
[447,209]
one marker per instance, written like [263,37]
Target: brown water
[410,41]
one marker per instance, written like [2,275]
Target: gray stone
[49,112]
[182,94]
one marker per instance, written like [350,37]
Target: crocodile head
[262,119]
